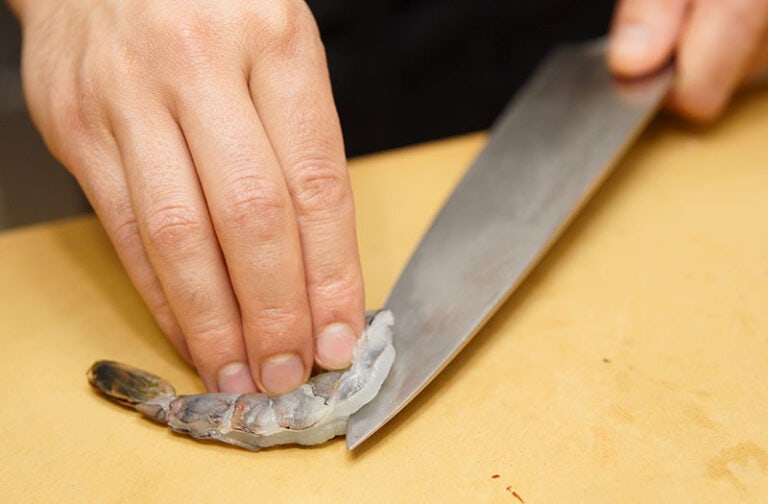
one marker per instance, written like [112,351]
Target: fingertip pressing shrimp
[309,415]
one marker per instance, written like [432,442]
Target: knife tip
[355,437]
[353,443]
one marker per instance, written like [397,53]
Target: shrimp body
[309,415]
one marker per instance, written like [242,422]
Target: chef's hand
[717,45]
[205,135]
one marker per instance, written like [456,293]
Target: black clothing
[409,71]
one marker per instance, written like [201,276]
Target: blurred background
[33,186]
[403,72]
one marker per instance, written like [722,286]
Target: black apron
[410,71]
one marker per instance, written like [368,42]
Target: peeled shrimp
[311,414]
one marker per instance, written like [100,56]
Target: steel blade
[546,155]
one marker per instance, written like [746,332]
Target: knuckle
[250,197]
[215,341]
[174,227]
[210,329]
[185,35]
[83,111]
[126,232]
[193,301]
[64,126]
[275,324]
[69,111]
[73,124]
[283,27]
[320,187]
[342,288]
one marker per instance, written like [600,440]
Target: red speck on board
[496,476]
[515,494]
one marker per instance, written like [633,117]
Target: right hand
[205,135]
[717,45]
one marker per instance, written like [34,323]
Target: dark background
[409,71]
[403,72]
[10,38]
[33,186]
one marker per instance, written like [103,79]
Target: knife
[547,153]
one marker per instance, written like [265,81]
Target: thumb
[644,34]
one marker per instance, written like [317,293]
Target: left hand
[717,46]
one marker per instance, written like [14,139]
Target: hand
[206,137]
[717,46]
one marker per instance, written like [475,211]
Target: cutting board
[632,365]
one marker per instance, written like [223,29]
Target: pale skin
[205,135]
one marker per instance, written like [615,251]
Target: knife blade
[546,154]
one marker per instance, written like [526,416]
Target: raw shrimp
[311,414]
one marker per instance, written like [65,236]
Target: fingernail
[631,42]
[335,344]
[236,377]
[282,373]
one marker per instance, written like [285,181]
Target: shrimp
[310,415]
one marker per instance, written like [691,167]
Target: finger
[256,227]
[178,235]
[644,34]
[720,42]
[99,173]
[300,117]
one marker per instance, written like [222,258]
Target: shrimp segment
[311,414]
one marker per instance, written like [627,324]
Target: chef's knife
[547,153]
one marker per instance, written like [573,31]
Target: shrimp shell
[309,415]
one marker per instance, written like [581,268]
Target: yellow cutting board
[632,366]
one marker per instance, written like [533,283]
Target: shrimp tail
[133,387]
